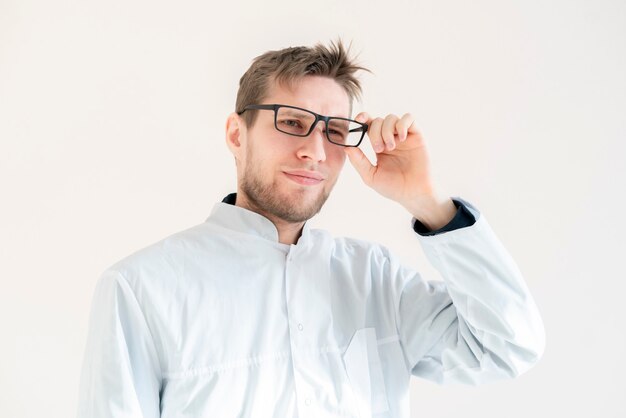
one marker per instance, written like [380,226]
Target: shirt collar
[239,219]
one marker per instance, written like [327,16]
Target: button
[300,327]
[307,401]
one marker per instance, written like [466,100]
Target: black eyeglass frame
[318,118]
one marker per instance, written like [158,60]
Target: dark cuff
[462,219]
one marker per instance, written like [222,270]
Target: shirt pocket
[365,373]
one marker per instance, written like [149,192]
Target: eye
[291,123]
[338,130]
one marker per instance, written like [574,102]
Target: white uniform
[222,320]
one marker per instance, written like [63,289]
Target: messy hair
[289,65]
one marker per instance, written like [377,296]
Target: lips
[307,174]
[307,178]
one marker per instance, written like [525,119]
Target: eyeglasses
[300,122]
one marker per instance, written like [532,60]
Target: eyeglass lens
[298,122]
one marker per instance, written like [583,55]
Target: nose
[313,146]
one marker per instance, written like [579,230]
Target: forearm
[433,212]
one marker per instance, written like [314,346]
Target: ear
[234,138]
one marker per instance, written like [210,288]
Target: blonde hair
[289,65]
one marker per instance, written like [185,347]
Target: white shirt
[222,320]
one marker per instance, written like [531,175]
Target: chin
[304,207]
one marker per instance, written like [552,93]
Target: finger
[409,120]
[363,117]
[404,126]
[388,128]
[362,165]
[374,132]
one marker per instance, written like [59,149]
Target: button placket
[294,313]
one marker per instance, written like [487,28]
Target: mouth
[306,178]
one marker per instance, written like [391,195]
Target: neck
[288,232]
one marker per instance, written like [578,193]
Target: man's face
[270,161]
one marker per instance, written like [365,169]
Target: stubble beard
[266,199]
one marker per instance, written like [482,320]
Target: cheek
[336,160]
[336,155]
[258,155]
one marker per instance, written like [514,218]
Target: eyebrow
[295,112]
[339,123]
[298,112]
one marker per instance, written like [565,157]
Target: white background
[112,119]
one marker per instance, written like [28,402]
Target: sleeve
[480,324]
[462,218]
[120,374]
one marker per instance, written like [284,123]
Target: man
[253,314]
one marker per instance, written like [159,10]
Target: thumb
[362,165]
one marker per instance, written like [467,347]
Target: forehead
[322,95]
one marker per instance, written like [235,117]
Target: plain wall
[112,120]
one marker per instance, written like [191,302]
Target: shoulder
[161,259]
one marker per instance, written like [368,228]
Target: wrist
[434,212]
